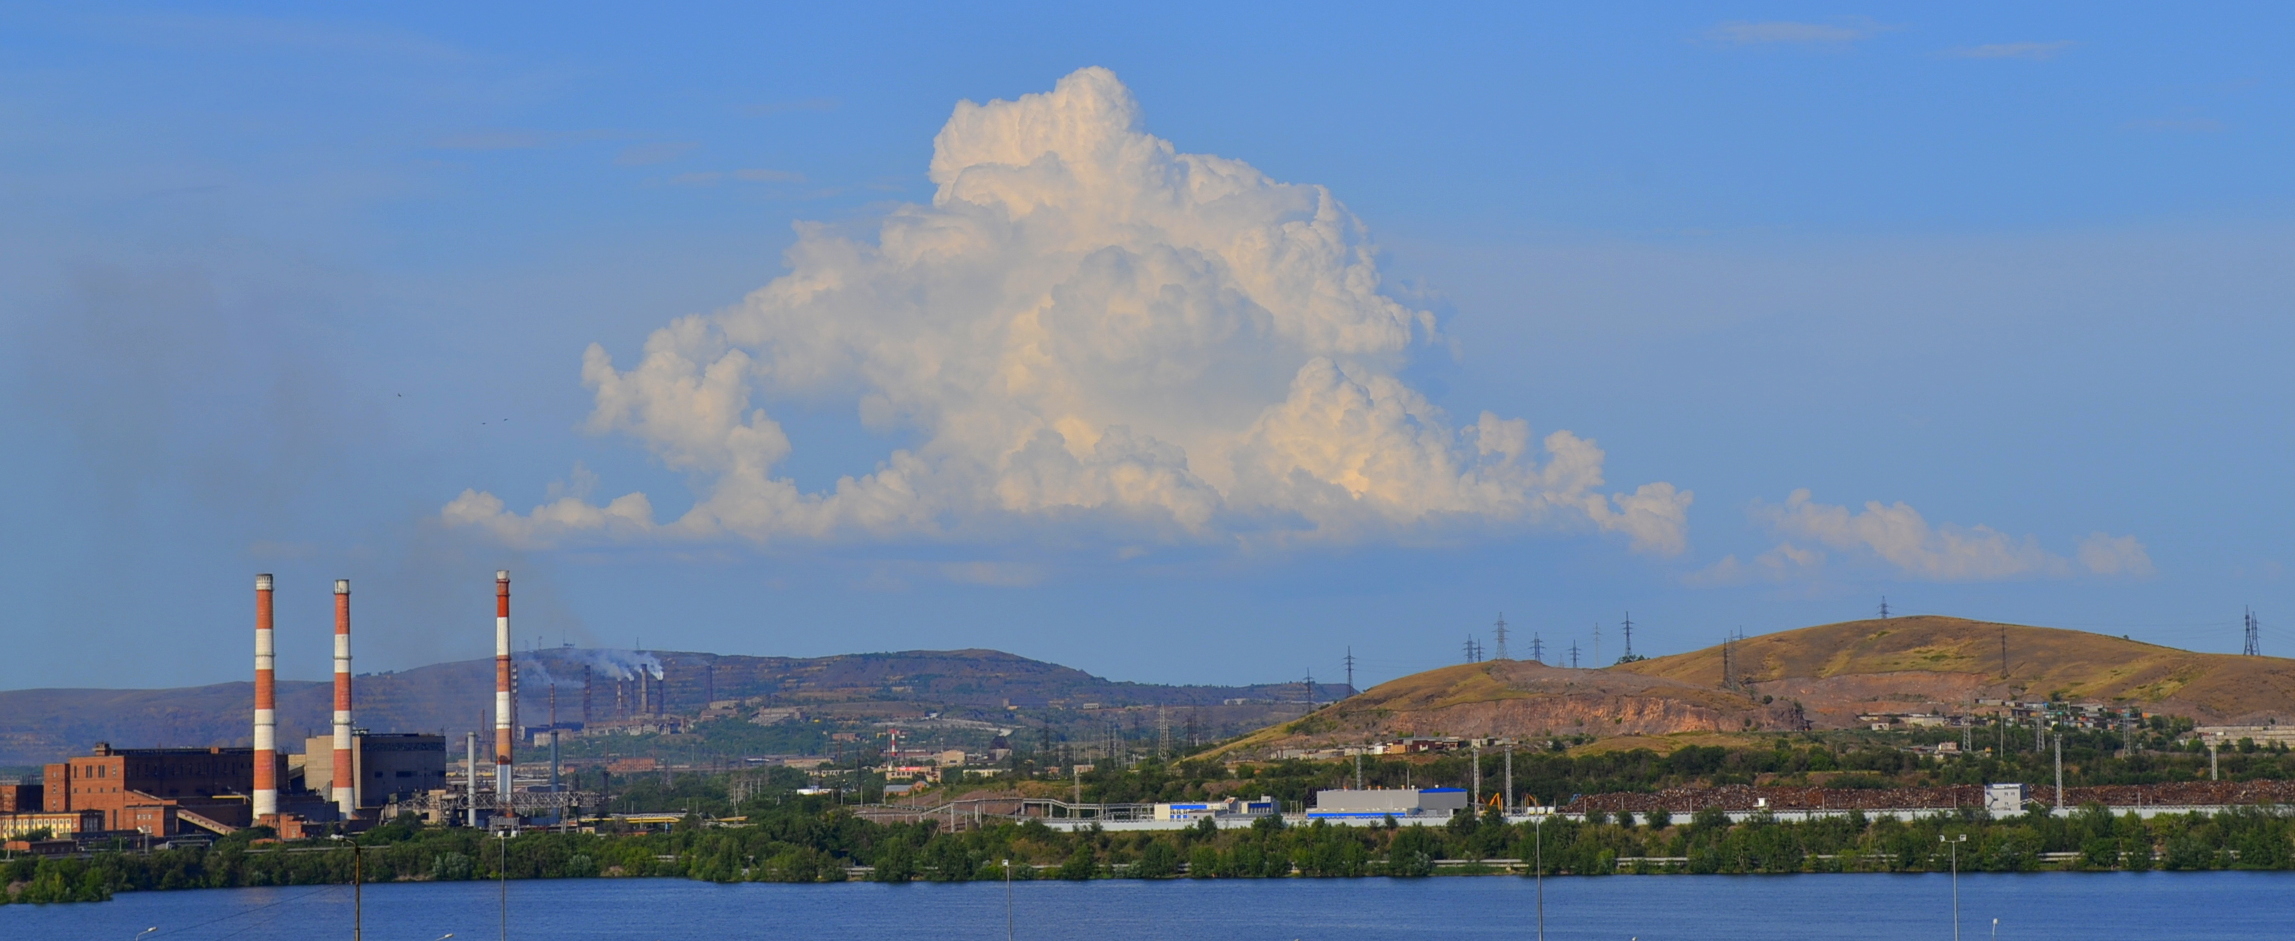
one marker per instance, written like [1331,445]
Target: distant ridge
[43,725]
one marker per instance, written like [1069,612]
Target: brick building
[148,789]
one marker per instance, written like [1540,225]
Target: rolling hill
[1817,677]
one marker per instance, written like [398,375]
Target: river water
[2218,906]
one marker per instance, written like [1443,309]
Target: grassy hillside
[1947,659]
[1816,677]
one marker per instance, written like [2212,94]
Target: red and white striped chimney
[266,707]
[346,795]
[502,691]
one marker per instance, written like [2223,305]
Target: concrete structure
[1231,807]
[344,787]
[266,764]
[1440,802]
[2259,734]
[2006,800]
[502,698]
[387,766]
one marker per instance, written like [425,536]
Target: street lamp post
[1538,866]
[358,920]
[1954,844]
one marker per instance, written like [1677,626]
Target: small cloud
[2176,126]
[1743,33]
[784,107]
[1897,536]
[762,175]
[644,155]
[2041,51]
[492,140]
[2103,554]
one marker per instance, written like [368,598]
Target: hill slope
[1817,677]
[1836,670]
[1524,699]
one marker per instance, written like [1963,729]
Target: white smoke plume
[1084,326]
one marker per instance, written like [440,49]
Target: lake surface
[2218,906]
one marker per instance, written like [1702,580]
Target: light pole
[1538,866]
[1007,899]
[1954,844]
[358,921]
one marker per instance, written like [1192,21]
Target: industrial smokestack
[266,707]
[346,794]
[502,691]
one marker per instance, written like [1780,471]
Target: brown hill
[1818,677]
[1939,663]
[1523,699]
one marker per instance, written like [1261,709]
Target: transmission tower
[1573,655]
[1537,648]
[1350,670]
[1629,628]
[1726,672]
[1884,607]
[1597,643]
[1163,733]
[2253,630]
[1499,631]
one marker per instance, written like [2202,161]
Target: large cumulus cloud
[1083,327]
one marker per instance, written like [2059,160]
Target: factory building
[152,790]
[1388,802]
[385,767]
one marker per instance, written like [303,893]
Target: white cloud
[2103,554]
[2013,50]
[1084,327]
[1743,33]
[1897,536]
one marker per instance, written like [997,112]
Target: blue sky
[279,284]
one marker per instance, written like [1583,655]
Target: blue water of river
[2218,906]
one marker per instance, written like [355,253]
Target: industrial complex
[347,780]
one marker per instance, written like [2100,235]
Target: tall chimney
[502,691]
[346,794]
[266,708]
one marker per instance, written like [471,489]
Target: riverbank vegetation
[811,841]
